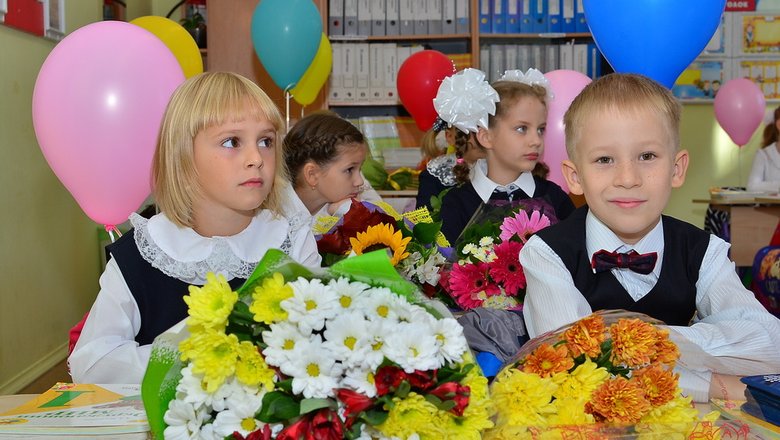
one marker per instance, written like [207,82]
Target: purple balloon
[97,107]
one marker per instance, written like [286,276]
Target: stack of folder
[762,397]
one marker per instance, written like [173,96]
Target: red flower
[354,402]
[261,434]
[422,380]
[467,281]
[506,268]
[297,431]
[357,219]
[387,379]
[455,392]
[326,425]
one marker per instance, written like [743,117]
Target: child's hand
[726,387]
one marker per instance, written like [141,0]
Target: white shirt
[106,351]
[485,187]
[730,324]
[765,173]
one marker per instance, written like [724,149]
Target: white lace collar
[441,168]
[485,187]
[183,254]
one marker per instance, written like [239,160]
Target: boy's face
[626,166]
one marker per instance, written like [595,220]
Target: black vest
[159,297]
[672,299]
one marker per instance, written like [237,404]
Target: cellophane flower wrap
[607,375]
[486,270]
[352,352]
[414,240]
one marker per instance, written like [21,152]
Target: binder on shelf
[484,60]
[566,59]
[362,74]
[462,17]
[551,55]
[539,15]
[579,17]
[510,57]
[526,19]
[448,16]
[594,61]
[569,25]
[498,16]
[378,17]
[420,13]
[497,63]
[537,57]
[524,57]
[349,59]
[554,16]
[350,17]
[364,17]
[485,24]
[580,58]
[390,65]
[335,81]
[434,17]
[392,17]
[513,16]
[406,12]
[376,73]
[336,17]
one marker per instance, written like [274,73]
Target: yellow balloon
[316,74]
[178,40]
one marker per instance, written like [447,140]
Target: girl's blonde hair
[205,100]
[626,93]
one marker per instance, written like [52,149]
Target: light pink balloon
[97,106]
[739,108]
[566,85]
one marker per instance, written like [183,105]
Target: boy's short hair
[205,100]
[317,137]
[623,92]
[509,92]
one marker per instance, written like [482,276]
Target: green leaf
[403,389]
[426,232]
[435,401]
[285,385]
[309,405]
[374,416]
[446,405]
[278,407]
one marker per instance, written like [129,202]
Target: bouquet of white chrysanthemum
[355,352]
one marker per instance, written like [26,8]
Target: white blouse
[765,173]
[106,351]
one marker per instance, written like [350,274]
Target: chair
[766,278]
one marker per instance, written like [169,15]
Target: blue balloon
[286,35]
[655,38]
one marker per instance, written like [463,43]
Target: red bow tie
[603,261]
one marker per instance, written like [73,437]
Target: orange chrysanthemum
[633,341]
[586,336]
[547,360]
[659,383]
[666,351]
[619,400]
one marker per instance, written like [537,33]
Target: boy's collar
[485,187]
[598,236]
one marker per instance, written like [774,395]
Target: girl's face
[235,162]
[341,178]
[515,142]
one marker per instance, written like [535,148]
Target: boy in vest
[620,252]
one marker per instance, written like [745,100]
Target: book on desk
[79,409]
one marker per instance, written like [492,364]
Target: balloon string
[286,110]
[111,229]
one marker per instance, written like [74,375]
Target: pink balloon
[97,107]
[566,85]
[739,109]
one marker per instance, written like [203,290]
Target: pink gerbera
[468,281]
[506,269]
[523,226]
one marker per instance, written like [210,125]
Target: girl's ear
[310,174]
[484,138]
[572,176]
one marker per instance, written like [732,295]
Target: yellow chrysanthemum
[212,354]
[586,336]
[476,417]
[547,360]
[508,432]
[381,236]
[267,298]
[412,415]
[581,382]
[633,341]
[570,411]
[619,400]
[677,411]
[522,399]
[677,419]
[251,368]
[210,305]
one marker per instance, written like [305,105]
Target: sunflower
[378,237]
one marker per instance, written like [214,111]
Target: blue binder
[485,21]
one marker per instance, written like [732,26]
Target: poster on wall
[702,79]
[763,73]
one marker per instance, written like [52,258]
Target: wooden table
[753,221]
